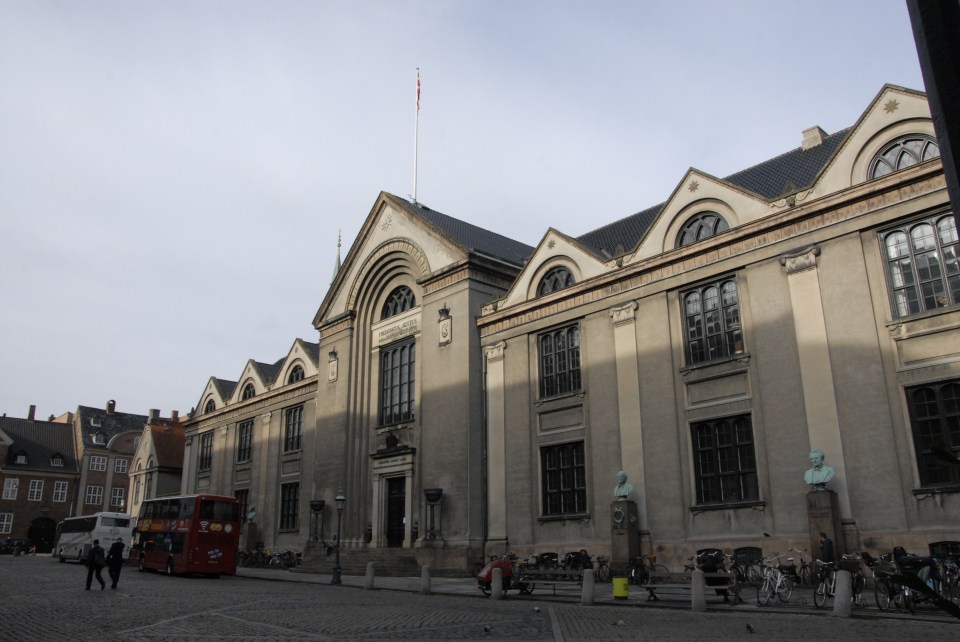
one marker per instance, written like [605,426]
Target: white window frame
[120,466]
[94,493]
[117,496]
[60,491]
[6,523]
[98,462]
[10,487]
[35,494]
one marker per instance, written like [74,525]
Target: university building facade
[471,395]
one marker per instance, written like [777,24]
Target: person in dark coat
[95,563]
[115,562]
[826,548]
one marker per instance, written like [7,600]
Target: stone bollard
[586,590]
[496,584]
[425,580]
[843,594]
[698,591]
[368,578]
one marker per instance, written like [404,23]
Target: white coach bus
[75,535]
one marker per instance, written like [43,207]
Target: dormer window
[57,461]
[210,407]
[248,392]
[701,226]
[95,422]
[21,458]
[556,278]
[98,439]
[400,300]
[902,153]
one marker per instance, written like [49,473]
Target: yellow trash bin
[620,588]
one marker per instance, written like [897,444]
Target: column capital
[495,352]
[800,260]
[624,313]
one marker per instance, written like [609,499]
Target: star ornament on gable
[891,106]
[693,186]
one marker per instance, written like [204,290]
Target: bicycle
[775,581]
[602,567]
[827,584]
[640,567]
[804,572]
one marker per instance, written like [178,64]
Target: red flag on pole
[418,88]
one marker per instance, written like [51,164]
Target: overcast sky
[173,174]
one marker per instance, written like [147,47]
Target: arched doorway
[41,533]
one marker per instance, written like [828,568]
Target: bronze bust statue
[819,474]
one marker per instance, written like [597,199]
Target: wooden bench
[682,583]
[552,577]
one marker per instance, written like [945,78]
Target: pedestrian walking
[115,562]
[826,548]
[95,563]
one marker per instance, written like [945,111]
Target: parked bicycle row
[265,558]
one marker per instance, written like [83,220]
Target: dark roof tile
[39,441]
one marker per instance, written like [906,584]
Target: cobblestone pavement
[41,599]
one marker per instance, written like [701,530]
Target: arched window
[400,300]
[902,153]
[555,279]
[210,407]
[712,322]
[248,392]
[295,375]
[701,226]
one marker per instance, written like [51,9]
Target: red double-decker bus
[188,534]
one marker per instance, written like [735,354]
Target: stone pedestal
[251,535]
[624,534]
[823,514]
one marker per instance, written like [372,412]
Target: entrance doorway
[41,533]
[396,503]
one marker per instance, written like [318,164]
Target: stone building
[157,468]
[38,475]
[472,395]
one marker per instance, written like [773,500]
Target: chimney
[153,416]
[813,137]
[174,416]
[111,406]
[52,417]
[33,411]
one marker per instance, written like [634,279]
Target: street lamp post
[341,500]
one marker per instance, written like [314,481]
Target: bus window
[119,522]
[218,510]
[185,508]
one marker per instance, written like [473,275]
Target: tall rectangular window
[10,486]
[120,466]
[289,502]
[711,321]
[243,496]
[94,496]
[564,479]
[724,461]
[293,429]
[935,422]
[116,497]
[244,440]
[923,269]
[397,367]
[559,361]
[36,490]
[205,459]
[6,523]
[60,491]
[97,462]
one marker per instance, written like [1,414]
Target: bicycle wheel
[820,594]
[859,582]
[785,588]
[764,591]
[660,568]
[882,591]
[603,572]
[804,575]
[754,576]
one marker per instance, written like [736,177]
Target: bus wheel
[169,567]
[140,565]
[60,555]
[80,559]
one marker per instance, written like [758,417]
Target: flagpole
[416,137]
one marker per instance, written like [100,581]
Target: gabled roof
[168,443]
[39,441]
[312,349]
[225,387]
[470,237]
[268,371]
[772,179]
